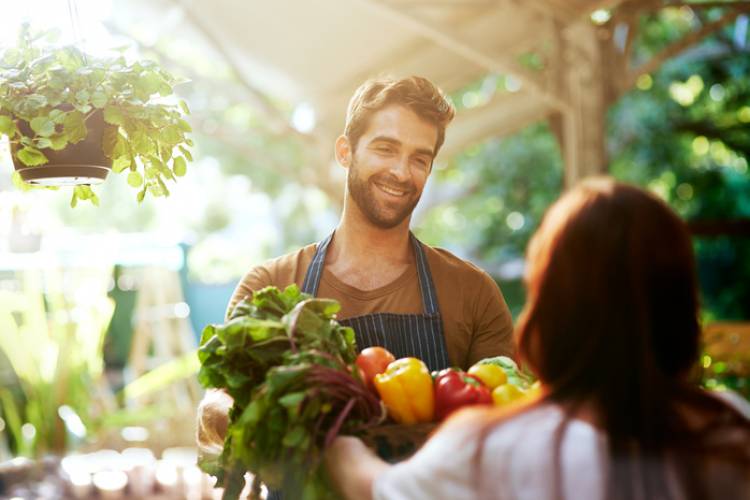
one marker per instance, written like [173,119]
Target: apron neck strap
[426,286]
[315,269]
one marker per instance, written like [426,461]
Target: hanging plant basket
[71,118]
[82,163]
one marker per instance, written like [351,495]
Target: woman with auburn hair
[610,328]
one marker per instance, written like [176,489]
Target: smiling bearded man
[396,292]
[362,192]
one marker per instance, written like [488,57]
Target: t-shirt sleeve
[493,331]
[255,279]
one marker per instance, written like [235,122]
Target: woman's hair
[611,320]
[611,291]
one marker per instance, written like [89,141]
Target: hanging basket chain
[79,39]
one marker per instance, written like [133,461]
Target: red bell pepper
[455,388]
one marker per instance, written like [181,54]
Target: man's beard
[381,214]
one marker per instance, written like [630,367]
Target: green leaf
[75,127]
[141,195]
[43,143]
[43,126]
[83,96]
[11,414]
[109,141]
[99,99]
[59,141]
[71,59]
[187,153]
[148,83]
[30,104]
[158,166]
[11,56]
[19,183]
[58,78]
[114,115]
[31,157]
[171,135]
[85,193]
[184,126]
[7,126]
[165,154]
[121,146]
[179,166]
[57,115]
[141,143]
[135,179]
[184,107]
[164,190]
[165,89]
[295,437]
[120,163]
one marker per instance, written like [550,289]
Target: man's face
[390,165]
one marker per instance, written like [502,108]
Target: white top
[517,461]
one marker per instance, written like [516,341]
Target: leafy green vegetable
[290,368]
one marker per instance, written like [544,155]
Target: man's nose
[400,168]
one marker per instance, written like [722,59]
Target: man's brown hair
[416,93]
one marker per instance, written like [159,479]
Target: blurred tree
[683,133]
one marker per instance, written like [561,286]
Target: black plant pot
[79,163]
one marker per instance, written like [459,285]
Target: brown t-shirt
[476,320]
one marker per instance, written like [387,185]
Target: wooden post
[581,130]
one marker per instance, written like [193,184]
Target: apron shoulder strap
[315,269]
[426,285]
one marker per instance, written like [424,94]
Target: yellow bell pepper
[490,375]
[506,394]
[406,389]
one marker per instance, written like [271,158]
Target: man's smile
[392,191]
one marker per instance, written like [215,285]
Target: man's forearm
[213,419]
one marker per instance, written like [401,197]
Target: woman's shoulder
[532,428]
[510,447]
[536,429]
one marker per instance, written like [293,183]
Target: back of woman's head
[612,301]
[611,323]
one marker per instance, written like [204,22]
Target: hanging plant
[71,118]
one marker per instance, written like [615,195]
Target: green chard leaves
[289,365]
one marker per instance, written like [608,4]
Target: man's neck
[366,256]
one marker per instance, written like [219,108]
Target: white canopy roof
[319,51]
[556,62]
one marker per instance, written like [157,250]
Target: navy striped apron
[417,335]
[404,335]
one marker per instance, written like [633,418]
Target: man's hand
[213,419]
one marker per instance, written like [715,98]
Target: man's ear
[343,151]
